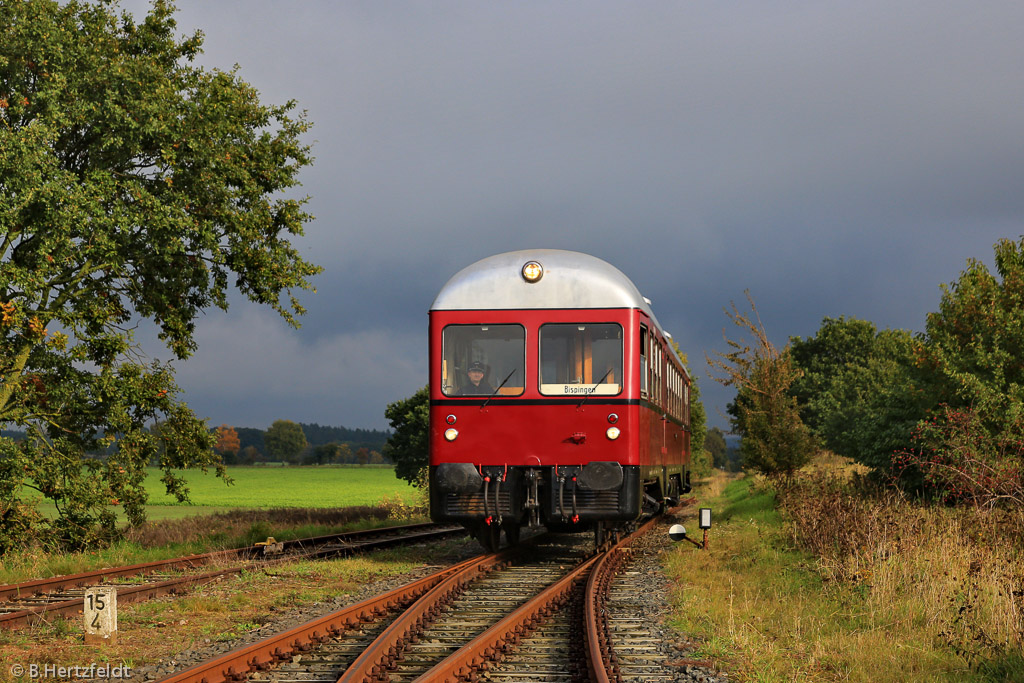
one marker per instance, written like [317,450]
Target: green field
[274,487]
[269,487]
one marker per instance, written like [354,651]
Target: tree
[134,185]
[407,446]
[839,345]
[285,441]
[775,440]
[861,391]
[249,455]
[715,444]
[970,447]
[227,443]
[698,416]
[326,453]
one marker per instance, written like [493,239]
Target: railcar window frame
[618,364]
[452,390]
[644,385]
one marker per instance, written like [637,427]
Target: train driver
[476,384]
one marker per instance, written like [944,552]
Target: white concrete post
[100,615]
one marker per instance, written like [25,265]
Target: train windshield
[480,360]
[578,359]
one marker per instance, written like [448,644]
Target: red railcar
[556,398]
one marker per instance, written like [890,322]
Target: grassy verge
[285,503]
[233,529]
[767,603]
[157,629]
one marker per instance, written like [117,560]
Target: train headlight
[613,433]
[451,434]
[533,271]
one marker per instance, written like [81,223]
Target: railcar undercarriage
[599,496]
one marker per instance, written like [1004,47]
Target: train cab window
[577,359]
[481,360]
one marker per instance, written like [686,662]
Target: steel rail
[602,663]
[125,594]
[505,635]
[57,583]
[373,663]
[23,617]
[237,664]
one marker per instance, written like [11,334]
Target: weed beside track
[821,581]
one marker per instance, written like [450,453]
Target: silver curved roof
[571,280]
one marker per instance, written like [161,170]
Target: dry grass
[845,587]
[157,629]
[713,486]
[225,527]
[173,538]
[957,574]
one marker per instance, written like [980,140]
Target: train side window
[497,351]
[670,389]
[577,359]
[643,361]
[656,378]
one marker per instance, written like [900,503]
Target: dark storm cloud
[834,158]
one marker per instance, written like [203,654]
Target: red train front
[555,398]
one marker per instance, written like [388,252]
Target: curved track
[527,606]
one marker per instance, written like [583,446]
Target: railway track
[22,604]
[550,611]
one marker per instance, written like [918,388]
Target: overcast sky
[832,158]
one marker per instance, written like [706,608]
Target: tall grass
[957,573]
[173,538]
[826,580]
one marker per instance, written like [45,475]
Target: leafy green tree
[715,444]
[775,440]
[698,416]
[840,344]
[976,339]
[249,455]
[698,419]
[861,391]
[407,446]
[734,459]
[971,447]
[326,453]
[134,185]
[285,441]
